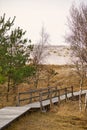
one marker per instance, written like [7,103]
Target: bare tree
[77,37]
[81,71]
[50,75]
[40,52]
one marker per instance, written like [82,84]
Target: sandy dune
[58,55]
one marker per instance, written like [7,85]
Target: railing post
[65,94]
[58,96]
[50,98]
[48,92]
[72,90]
[40,99]
[30,97]
[55,91]
[85,101]
[18,104]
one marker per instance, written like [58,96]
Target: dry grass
[66,77]
[64,117]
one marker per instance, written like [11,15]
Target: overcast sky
[32,14]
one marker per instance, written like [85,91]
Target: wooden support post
[51,98]
[56,92]
[30,97]
[65,94]
[58,96]
[48,92]
[85,101]
[40,99]
[72,90]
[18,104]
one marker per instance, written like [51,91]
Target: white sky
[32,14]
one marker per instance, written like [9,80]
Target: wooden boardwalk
[9,114]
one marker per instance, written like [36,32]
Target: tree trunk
[36,79]
[8,88]
[15,91]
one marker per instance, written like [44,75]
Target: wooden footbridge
[40,98]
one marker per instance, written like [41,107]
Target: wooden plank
[9,114]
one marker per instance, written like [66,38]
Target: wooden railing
[53,93]
[43,94]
